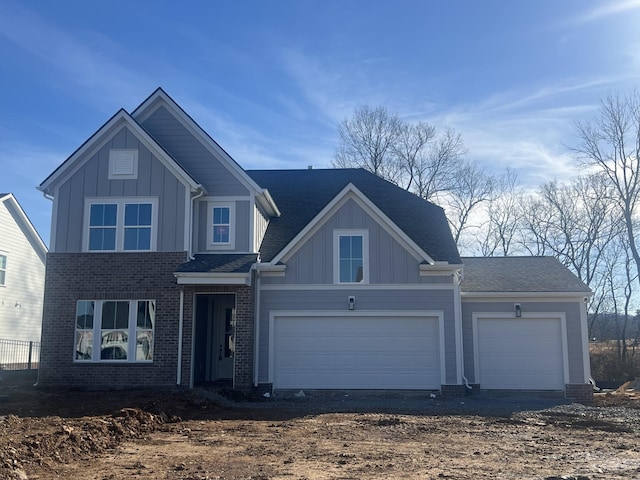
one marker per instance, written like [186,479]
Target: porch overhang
[208,278]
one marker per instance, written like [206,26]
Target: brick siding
[580,392]
[105,276]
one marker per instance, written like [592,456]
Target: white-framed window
[120,225]
[3,269]
[221,225]
[123,164]
[351,256]
[114,330]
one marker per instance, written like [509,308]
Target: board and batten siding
[260,224]
[241,233]
[21,297]
[389,262]
[192,155]
[573,322]
[92,180]
[318,300]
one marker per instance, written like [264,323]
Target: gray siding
[389,262]
[241,228]
[574,330]
[260,224]
[22,296]
[191,154]
[366,300]
[92,180]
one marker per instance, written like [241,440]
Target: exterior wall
[389,262]
[22,295]
[242,240]
[571,310]
[92,180]
[260,224]
[331,299]
[101,276]
[192,155]
[244,334]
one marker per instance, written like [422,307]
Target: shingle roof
[301,194]
[519,274]
[219,263]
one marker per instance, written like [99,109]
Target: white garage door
[522,354]
[358,352]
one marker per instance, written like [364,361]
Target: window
[221,226]
[124,329]
[121,225]
[351,251]
[3,269]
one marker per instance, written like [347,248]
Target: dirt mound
[45,442]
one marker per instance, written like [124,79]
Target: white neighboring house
[22,268]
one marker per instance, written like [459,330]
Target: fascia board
[160,97]
[101,136]
[351,191]
[439,268]
[26,226]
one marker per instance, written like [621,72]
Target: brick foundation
[579,392]
[453,390]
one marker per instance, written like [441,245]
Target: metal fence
[19,355]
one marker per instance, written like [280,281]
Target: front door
[214,337]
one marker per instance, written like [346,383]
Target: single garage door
[522,354]
[356,352]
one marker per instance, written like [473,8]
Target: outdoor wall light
[352,302]
[518,308]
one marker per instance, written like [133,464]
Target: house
[22,272]
[172,265]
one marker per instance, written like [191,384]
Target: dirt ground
[203,435]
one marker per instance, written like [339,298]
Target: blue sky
[270,80]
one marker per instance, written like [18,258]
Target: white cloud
[607,9]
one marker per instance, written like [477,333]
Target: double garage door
[356,352]
[520,353]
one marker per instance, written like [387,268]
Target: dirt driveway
[117,435]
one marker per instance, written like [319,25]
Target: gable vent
[123,164]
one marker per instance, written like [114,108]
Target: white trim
[120,158]
[4,254]
[584,326]
[476,316]
[359,286]
[439,314]
[351,192]
[100,138]
[120,202]
[231,244]
[25,225]
[439,269]
[457,315]
[207,278]
[365,254]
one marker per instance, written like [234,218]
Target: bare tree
[367,140]
[610,143]
[471,186]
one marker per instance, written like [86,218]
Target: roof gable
[302,195]
[159,98]
[21,219]
[99,138]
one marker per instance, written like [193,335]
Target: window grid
[3,270]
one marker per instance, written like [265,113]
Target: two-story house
[22,266]
[170,264]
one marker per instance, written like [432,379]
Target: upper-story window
[3,269]
[221,225]
[117,225]
[351,256]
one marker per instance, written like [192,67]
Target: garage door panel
[356,352]
[520,353]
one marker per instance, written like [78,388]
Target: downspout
[256,328]
[180,326]
[458,279]
[193,202]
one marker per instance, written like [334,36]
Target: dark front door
[214,337]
